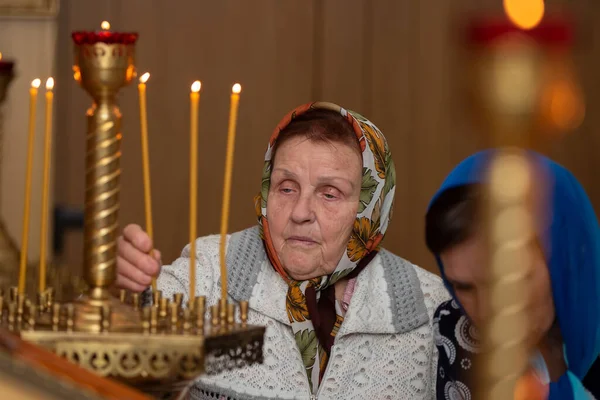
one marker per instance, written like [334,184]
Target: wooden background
[398,62]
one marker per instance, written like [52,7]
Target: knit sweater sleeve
[175,278]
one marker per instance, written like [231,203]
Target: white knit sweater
[371,357]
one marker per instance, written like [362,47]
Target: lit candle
[233,111]
[146,160]
[33,91]
[105,26]
[194,100]
[46,182]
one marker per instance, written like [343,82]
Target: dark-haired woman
[565,283]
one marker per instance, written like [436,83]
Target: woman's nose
[303,210]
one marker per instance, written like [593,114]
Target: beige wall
[396,61]
[31,42]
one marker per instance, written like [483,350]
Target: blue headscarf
[571,241]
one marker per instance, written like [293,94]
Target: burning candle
[194,101]
[33,91]
[46,182]
[146,160]
[233,111]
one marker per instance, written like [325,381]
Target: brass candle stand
[510,83]
[511,106]
[510,223]
[158,345]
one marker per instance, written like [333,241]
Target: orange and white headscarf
[314,315]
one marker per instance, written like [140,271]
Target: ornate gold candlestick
[160,347]
[514,71]
[511,220]
[102,69]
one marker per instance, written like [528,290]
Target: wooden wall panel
[392,93]
[398,62]
[433,152]
[578,150]
[342,53]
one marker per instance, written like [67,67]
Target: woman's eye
[331,193]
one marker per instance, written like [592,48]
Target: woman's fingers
[137,261]
[135,235]
[125,283]
[146,263]
[131,272]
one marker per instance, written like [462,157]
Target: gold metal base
[129,357]
[95,315]
[161,349]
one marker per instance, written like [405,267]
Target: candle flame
[50,83]
[526,14]
[196,86]
[36,83]
[105,25]
[237,88]
[0,55]
[144,78]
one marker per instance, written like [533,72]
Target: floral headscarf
[313,312]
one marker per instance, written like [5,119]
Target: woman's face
[464,268]
[312,204]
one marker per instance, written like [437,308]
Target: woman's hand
[137,261]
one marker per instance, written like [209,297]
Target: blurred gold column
[523,90]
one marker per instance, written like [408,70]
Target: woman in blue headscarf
[565,282]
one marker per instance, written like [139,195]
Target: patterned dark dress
[457,341]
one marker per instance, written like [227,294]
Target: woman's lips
[301,241]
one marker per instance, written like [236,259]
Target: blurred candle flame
[196,86]
[526,14]
[144,78]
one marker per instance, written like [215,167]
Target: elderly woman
[565,285]
[345,319]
